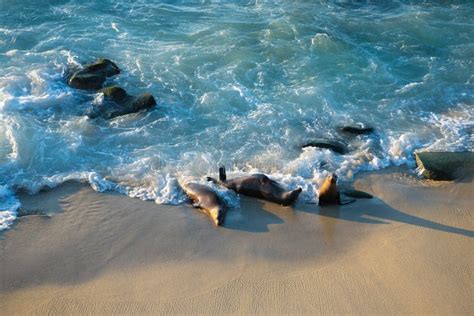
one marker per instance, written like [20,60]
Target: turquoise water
[243,84]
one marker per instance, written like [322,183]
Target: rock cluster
[117,101]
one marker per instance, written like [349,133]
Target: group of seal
[256,185]
[260,186]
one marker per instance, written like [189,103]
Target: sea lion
[329,193]
[206,200]
[259,186]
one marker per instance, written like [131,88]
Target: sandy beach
[407,251]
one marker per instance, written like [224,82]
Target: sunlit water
[242,85]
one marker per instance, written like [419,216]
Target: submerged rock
[333,145]
[117,102]
[357,130]
[93,75]
[444,165]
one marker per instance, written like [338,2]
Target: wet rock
[115,93]
[357,130]
[336,146]
[103,67]
[117,102]
[93,75]
[444,165]
[358,194]
[86,81]
[143,101]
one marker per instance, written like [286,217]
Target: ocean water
[238,83]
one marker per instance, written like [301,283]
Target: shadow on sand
[379,213]
[251,217]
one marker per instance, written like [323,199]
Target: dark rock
[93,75]
[115,93]
[333,145]
[358,194]
[444,165]
[143,101]
[103,67]
[117,102]
[357,130]
[86,81]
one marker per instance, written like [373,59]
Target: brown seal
[258,186]
[329,193]
[207,201]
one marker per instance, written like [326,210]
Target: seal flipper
[292,196]
[222,174]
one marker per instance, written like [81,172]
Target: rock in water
[115,93]
[357,130]
[444,165]
[93,75]
[117,102]
[86,81]
[143,101]
[333,145]
[103,67]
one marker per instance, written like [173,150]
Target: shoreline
[405,251]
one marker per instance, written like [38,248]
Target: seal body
[329,193]
[258,186]
[207,201]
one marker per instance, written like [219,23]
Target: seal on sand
[258,186]
[329,193]
[207,200]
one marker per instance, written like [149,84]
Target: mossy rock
[102,66]
[115,93]
[444,165]
[86,81]
[141,102]
[93,75]
[117,103]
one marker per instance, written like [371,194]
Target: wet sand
[408,250]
